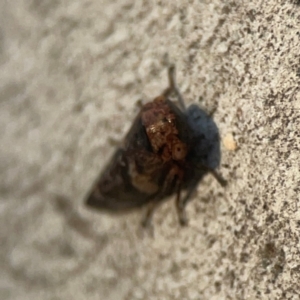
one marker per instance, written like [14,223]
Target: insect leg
[153,205]
[217,176]
[180,206]
[147,219]
[168,183]
[181,203]
[176,174]
[173,87]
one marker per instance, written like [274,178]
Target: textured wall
[70,77]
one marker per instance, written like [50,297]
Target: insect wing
[126,182]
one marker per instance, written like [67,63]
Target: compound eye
[179,151]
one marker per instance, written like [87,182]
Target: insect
[164,153]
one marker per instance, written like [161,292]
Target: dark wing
[133,176]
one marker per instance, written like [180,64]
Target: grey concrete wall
[70,77]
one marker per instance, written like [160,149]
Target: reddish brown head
[160,124]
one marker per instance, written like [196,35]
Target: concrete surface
[70,77]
